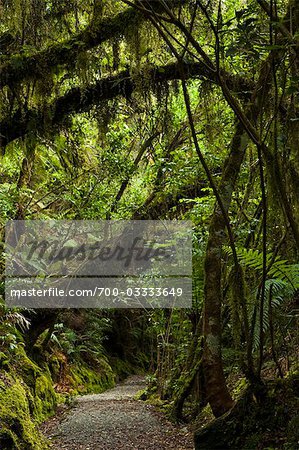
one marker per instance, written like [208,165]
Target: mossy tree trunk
[216,389]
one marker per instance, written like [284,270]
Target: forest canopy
[165,109]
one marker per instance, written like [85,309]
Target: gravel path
[114,420]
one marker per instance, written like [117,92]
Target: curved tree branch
[23,67]
[78,99]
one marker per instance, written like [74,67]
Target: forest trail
[115,420]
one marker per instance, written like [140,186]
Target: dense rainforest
[159,110]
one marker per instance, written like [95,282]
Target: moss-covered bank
[78,376]
[27,397]
[17,416]
[30,391]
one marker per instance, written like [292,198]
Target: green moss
[18,430]
[122,369]
[55,365]
[83,379]
[27,396]
[80,377]
[45,397]
[44,401]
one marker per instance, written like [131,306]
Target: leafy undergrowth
[266,418]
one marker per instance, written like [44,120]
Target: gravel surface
[114,420]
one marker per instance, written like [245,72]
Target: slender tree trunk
[215,384]
[217,392]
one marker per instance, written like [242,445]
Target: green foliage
[278,268]
[84,167]
[8,197]
[278,290]
[276,293]
[88,341]
[12,324]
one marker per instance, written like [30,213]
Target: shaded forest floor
[116,420]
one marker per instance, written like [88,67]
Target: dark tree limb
[78,100]
[23,67]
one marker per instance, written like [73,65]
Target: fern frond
[279,291]
[280,269]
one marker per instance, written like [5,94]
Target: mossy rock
[44,398]
[27,396]
[38,379]
[17,429]
[56,364]
[79,376]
